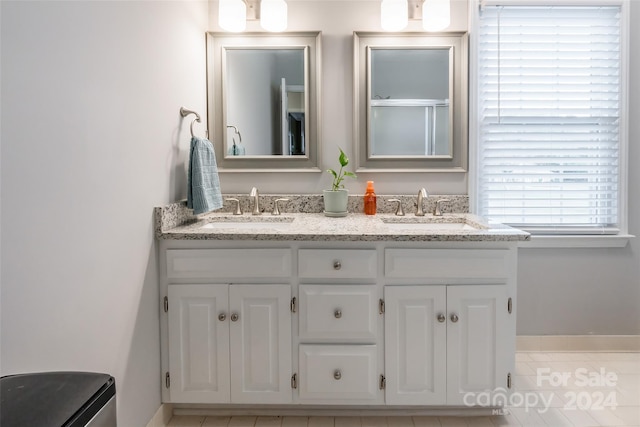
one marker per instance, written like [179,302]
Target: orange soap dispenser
[370,199]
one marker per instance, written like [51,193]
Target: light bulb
[436,15]
[394,14]
[273,15]
[232,15]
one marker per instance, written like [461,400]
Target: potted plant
[335,200]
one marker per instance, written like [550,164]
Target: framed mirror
[264,100]
[410,102]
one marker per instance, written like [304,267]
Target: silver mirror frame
[310,43]
[363,42]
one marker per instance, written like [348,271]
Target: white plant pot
[335,202]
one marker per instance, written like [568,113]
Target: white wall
[92,140]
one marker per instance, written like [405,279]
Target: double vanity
[300,310]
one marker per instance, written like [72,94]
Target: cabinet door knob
[337,313]
[234,317]
[454,318]
[337,374]
[441,318]
[337,265]
[222,317]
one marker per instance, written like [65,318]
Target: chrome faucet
[422,194]
[256,202]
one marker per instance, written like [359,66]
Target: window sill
[582,241]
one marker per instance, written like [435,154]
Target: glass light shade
[436,15]
[394,14]
[232,15]
[273,15]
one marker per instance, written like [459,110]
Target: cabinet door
[198,343]
[260,343]
[415,345]
[478,343]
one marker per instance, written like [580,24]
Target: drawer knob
[337,374]
[441,318]
[222,317]
[234,317]
[454,318]
[337,265]
[337,313]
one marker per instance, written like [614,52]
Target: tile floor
[562,389]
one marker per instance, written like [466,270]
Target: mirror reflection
[409,102]
[263,92]
[410,93]
[265,102]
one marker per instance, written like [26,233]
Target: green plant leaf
[343,159]
[351,174]
[332,172]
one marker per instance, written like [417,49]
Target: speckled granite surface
[176,214]
[308,223]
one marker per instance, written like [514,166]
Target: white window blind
[549,81]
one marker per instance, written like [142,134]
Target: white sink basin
[430,223]
[430,226]
[253,224]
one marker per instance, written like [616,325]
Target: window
[550,141]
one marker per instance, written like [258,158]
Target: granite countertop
[313,226]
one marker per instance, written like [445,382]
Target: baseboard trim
[162,416]
[329,411]
[588,343]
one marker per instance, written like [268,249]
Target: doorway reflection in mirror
[265,96]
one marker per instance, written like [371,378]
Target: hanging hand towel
[203,192]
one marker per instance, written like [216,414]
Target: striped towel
[203,192]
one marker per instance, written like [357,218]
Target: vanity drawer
[228,263]
[447,263]
[337,263]
[341,373]
[335,312]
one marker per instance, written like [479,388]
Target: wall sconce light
[435,14]
[393,14]
[234,14]
[273,15]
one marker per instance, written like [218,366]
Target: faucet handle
[437,211]
[399,210]
[237,210]
[276,210]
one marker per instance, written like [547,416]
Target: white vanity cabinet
[228,343]
[442,342]
[380,324]
[338,333]
[451,332]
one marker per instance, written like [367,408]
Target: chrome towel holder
[185,112]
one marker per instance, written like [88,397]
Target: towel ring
[184,113]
